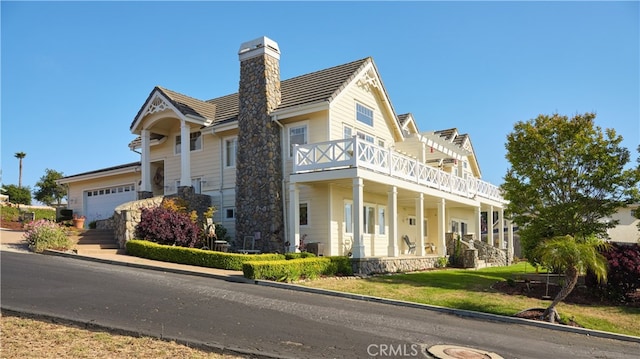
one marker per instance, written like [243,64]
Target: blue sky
[74,74]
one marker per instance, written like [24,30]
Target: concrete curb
[458,312]
[228,278]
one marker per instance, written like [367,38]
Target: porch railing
[355,152]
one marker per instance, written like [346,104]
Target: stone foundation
[127,216]
[366,266]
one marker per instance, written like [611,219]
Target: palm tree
[572,256]
[20,156]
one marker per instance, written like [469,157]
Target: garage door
[100,203]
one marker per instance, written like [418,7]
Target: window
[297,136]
[348,218]
[195,142]
[412,220]
[365,136]
[304,214]
[369,219]
[229,213]
[380,142]
[347,132]
[364,114]
[381,222]
[230,147]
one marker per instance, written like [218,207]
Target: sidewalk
[12,240]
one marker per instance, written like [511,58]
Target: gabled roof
[317,86]
[461,140]
[187,106]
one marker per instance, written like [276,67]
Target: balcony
[357,153]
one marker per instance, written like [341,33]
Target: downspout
[284,202]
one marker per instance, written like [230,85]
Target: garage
[100,203]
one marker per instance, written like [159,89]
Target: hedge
[194,256]
[292,270]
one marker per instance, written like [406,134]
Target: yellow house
[321,158]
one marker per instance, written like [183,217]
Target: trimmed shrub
[623,276]
[298,255]
[166,226]
[292,270]
[194,256]
[43,234]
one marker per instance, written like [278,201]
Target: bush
[292,270]
[167,226]
[43,234]
[623,276]
[298,255]
[194,256]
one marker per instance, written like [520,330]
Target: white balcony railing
[355,152]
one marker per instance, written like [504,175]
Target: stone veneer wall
[127,216]
[366,266]
[259,164]
[491,254]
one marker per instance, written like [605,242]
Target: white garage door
[100,203]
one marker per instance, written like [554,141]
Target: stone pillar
[420,225]
[294,218]
[358,218]
[185,154]
[259,207]
[442,245]
[392,205]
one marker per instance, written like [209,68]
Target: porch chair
[249,240]
[411,245]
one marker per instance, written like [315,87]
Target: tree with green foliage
[567,177]
[17,195]
[20,156]
[572,257]
[47,190]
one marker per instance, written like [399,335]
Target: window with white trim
[381,220]
[195,142]
[304,213]
[369,219]
[196,183]
[347,132]
[230,151]
[365,136]
[348,217]
[297,136]
[364,114]
[229,213]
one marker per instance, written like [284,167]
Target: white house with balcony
[324,157]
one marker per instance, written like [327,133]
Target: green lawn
[471,290]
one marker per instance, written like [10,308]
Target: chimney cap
[257,47]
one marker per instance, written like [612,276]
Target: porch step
[94,241]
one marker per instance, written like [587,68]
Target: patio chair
[248,245]
[411,245]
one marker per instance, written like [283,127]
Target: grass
[30,337]
[471,290]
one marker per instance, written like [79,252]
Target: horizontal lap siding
[77,189]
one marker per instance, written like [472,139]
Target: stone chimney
[259,210]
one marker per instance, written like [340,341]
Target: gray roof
[127,165]
[185,104]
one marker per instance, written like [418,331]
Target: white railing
[355,152]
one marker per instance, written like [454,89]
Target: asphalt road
[272,321]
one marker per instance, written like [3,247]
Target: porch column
[294,218]
[510,251]
[478,213]
[392,205]
[185,155]
[441,228]
[490,240]
[501,228]
[358,218]
[420,224]
[145,162]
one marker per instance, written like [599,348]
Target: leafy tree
[18,195]
[47,190]
[566,178]
[572,257]
[20,156]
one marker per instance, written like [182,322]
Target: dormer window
[364,114]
